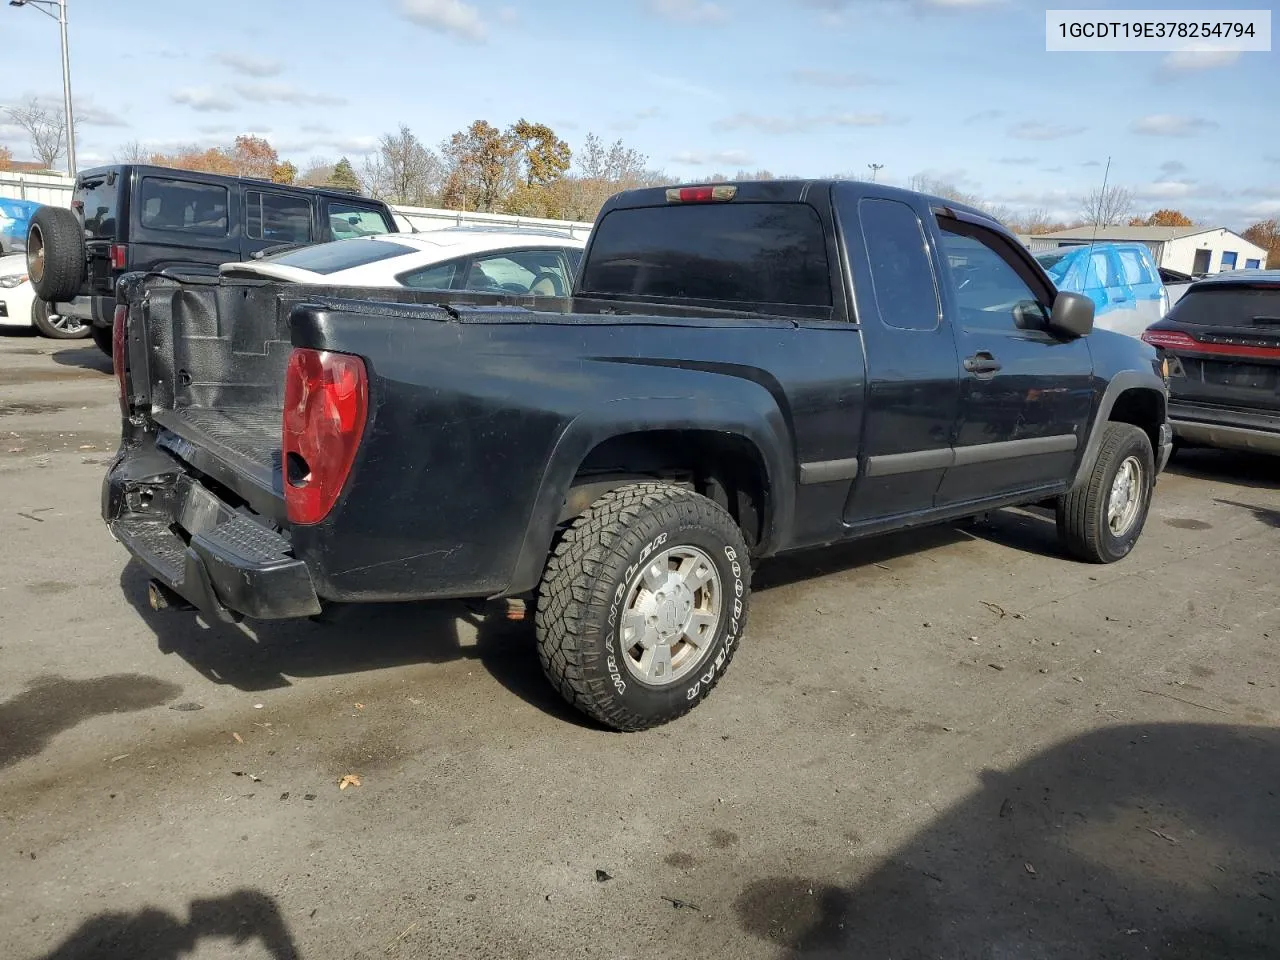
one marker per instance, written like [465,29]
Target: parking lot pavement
[949,744]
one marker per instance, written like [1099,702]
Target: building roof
[1141,234]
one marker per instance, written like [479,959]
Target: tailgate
[1235,357]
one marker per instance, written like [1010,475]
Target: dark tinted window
[341,255]
[438,276]
[724,252]
[279,217]
[97,202]
[901,271]
[1229,306]
[184,205]
[991,285]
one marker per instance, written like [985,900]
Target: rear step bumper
[228,564]
[1225,428]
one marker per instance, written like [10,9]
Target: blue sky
[961,90]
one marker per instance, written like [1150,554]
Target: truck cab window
[988,284]
[280,217]
[901,271]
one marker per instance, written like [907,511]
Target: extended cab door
[1025,393]
[912,371]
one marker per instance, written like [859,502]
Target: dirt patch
[50,588]
[9,408]
[680,860]
[20,375]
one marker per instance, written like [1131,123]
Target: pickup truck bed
[742,370]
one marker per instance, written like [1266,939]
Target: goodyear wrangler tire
[1100,521]
[642,605]
[55,254]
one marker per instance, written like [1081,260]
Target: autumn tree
[482,164]
[247,156]
[1266,234]
[6,158]
[599,172]
[1163,218]
[403,170]
[1106,206]
[543,157]
[343,176]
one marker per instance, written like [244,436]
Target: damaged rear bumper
[228,563]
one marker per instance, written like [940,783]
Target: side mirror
[1072,314]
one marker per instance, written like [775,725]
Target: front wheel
[1101,520]
[643,604]
[54,326]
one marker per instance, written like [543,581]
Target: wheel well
[725,467]
[1142,408]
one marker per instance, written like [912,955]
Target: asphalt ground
[950,744]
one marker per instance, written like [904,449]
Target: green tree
[344,176]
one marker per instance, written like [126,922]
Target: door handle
[981,363]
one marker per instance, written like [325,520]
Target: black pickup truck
[744,369]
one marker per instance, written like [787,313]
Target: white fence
[55,190]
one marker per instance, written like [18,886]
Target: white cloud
[1171,168]
[984,115]
[1165,190]
[96,116]
[688,11]
[1039,130]
[247,65]
[1017,161]
[325,144]
[833,78]
[1170,125]
[272,92]
[204,100]
[799,123]
[453,18]
[727,158]
[1187,61]
[209,129]
[315,128]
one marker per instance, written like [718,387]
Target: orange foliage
[249,156]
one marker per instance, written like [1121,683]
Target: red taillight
[119,256]
[1169,339]
[711,194]
[119,359]
[326,400]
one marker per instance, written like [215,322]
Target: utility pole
[875,168]
[47,7]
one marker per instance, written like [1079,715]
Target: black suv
[131,217]
[1222,343]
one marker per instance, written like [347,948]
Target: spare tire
[55,254]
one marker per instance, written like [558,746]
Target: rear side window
[279,217]
[901,271]
[97,201]
[438,276]
[1134,271]
[767,253]
[1230,306]
[1100,272]
[184,205]
[348,220]
[340,255]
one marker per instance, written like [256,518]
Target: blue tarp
[14,217]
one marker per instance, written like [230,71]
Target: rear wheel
[55,254]
[102,337]
[642,605]
[1101,520]
[57,327]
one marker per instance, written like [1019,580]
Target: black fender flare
[761,424]
[1120,383]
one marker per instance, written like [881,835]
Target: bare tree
[1106,206]
[132,152]
[46,129]
[403,170]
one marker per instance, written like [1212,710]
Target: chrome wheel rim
[35,255]
[671,615]
[66,324]
[1125,498]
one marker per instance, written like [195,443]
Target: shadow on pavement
[364,637]
[1229,466]
[1262,514]
[885,549]
[242,917]
[86,358]
[1158,842]
[51,705]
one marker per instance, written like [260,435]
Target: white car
[473,259]
[20,307]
